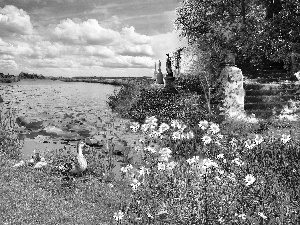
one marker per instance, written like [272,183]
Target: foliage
[218,26]
[229,181]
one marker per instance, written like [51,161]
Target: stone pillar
[169,78]
[159,77]
[155,72]
[233,93]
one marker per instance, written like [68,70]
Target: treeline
[23,75]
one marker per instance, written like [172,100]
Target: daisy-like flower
[150,149]
[249,179]
[171,165]
[220,156]
[189,135]
[209,163]
[175,124]
[145,127]
[285,138]
[238,161]
[135,126]
[258,139]
[165,151]
[206,139]
[153,126]
[262,215]
[155,134]
[183,136]
[242,216]
[176,135]
[143,170]
[135,184]
[151,120]
[203,125]
[182,127]
[161,166]
[221,171]
[249,145]
[191,160]
[118,215]
[214,128]
[164,157]
[123,169]
[163,127]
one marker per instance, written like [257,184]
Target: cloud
[135,50]
[130,34]
[128,62]
[8,64]
[53,63]
[14,20]
[101,51]
[87,32]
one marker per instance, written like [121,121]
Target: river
[56,113]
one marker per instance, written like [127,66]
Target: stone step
[272,92]
[265,106]
[269,98]
[271,86]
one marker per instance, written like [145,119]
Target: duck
[76,166]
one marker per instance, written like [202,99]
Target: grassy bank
[189,168]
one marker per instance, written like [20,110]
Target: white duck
[78,165]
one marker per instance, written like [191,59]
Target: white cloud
[15,20]
[87,32]
[101,51]
[8,64]
[135,50]
[130,34]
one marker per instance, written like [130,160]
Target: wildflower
[249,145]
[182,127]
[262,215]
[150,149]
[145,127]
[231,176]
[119,215]
[206,139]
[135,126]
[155,134]
[203,124]
[214,128]
[161,166]
[221,172]
[175,124]
[151,120]
[209,163]
[285,138]
[183,136]
[165,151]
[238,162]
[143,170]
[164,158]
[191,161]
[153,126]
[220,136]
[220,156]
[171,165]
[176,135]
[163,127]
[110,185]
[233,142]
[249,179]
[189,135]
[135,184]
[258,139]
[242,216]
[221,220]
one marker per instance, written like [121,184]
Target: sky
[86,37]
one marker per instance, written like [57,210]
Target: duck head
[81,145]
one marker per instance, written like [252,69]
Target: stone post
[233,93]
[159,77]
[169,78]
[155,72]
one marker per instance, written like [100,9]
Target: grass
[184,194]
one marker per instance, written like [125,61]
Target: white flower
[161,166]
[220,156]
[214,128]
[151,120]
[238,161]
[285,138]
[249,145]
[175,123]
[165,151]
[145,127]
[190,161]
[164,158]
[111,185]
[153,126]
[221,172]
[119,215]
[155,134]
[221,220]
[123,169]
[135,184]
[150,149]
[135,126]
[242,216]
[189,135]
[258,139]
[262,215]
[182,127]
[209,163]
[249,179]
[203,124]
[163,127]
[183,136]
[206,139]
[143,170]
[220,136]
[171,165]
[176,135]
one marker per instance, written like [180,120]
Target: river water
[53,113]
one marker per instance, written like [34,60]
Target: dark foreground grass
[29,196]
